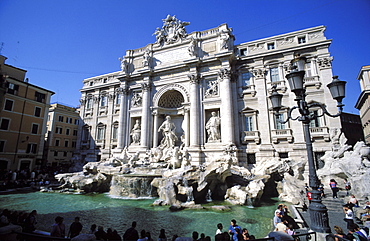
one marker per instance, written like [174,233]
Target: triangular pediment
[248,110]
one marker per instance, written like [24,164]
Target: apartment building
[61,137]
[23,118]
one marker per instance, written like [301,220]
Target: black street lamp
[318,211]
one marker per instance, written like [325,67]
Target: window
[251,158]
[8,105]
[249,123]
[69,120]
[4,124]
[66,143]
[55,153]
[60,118]
[77,121]
[40,97]
[2,146]
[278,124]
[91,83]
[12,88]
[74,144]
[68,131]
[246,78]
[57,142]
[89,103]
[283,154]
[115,132]
[118,99]
[85,133]
[271,46]
[274,73]
[243,52]
[103,101]
[308,72]
[100,133]
[31,148]
[58,130]
[64,153]
[35,128]
[75,132]
[315,122]
[37,111]
[301,40]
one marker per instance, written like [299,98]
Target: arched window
[100,132]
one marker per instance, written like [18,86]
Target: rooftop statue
[172,31]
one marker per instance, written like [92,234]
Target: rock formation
[179,184]
[351,165]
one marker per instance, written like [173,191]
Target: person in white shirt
[349,216]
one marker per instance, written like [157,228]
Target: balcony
[248,90]
[312,81]
[320,133]
[282,135]
[248,136]
[280,85]
[101,143]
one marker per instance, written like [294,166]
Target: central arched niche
[169,103]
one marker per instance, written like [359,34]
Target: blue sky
[62,42]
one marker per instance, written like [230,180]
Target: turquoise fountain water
[118,213]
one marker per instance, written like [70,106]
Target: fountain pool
[118,213]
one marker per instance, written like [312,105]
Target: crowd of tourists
[28,223]
[357,217]
[27,178]
[284,227]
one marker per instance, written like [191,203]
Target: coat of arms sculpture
[172,31]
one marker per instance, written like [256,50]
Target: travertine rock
[220,179]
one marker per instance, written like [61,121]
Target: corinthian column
[122,116]
[145,115]
[194,110]
[227,123]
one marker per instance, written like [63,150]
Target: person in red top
[309,196]
[334,188]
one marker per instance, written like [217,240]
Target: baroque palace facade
[215,93]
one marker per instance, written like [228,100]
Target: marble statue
[192,48]
[160,36]
[168,131]
[185,159]
[182,138]
[136,133]
[212,127]
[146,58]
[124,65]
[174,161]
[225,37]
